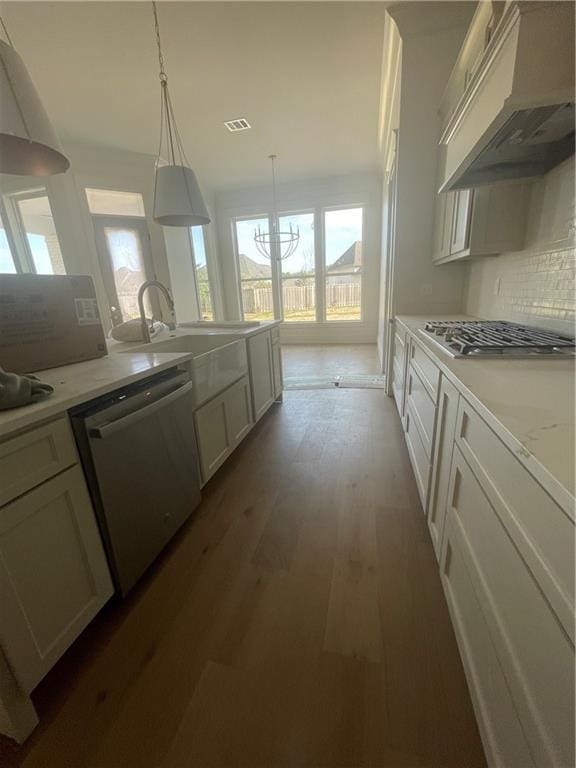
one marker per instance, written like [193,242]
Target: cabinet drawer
[534,653]
[499,725]
[418,455]
[542,531]
[422,407]
[35,456]
[425,367]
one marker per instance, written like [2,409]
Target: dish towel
[21,389]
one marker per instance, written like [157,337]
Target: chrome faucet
[143,288]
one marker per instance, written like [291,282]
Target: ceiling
[305,75]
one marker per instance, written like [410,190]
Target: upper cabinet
[479,222]
[508,106]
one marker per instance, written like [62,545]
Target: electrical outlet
[426,289]
[497,286]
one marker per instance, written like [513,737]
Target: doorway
[123,246]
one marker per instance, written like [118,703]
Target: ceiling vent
[238,124]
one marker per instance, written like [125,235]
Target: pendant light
[178,200]
[276,244]
[28,144]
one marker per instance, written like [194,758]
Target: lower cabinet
[261,367]
[221,424]
[277,367]
[447,413]
[518,657]
[507,559]
[54,577]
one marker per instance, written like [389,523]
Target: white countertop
[528,403]
[78,383]
[124,364]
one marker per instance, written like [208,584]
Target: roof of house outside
[350,261]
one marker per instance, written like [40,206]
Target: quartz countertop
[528,403]
[125,363]
[81,382]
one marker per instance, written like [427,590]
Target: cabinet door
[238,404]
[443,225]
[445,428]
[54,577]
[277,363]
[461,221]
[261,373]
[535,655]
[213,436]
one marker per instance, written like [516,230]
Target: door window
[125,260]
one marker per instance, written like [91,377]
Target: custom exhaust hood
[515,118]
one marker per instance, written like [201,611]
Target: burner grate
[497,337]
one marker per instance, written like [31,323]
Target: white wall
[537,285]
[427,60]
[106,169]
[361,189]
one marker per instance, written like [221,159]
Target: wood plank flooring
[300,360]
[298,620]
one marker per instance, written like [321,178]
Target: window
[298,271]
[255,271]
[343,263]
[108,202]
[124,254]
[201,273]
[308,286]
[28,238]
[38,225]
[7,263]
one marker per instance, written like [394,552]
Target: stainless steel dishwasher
[138,450]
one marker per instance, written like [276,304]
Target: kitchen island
[46,513]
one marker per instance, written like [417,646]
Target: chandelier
[276,244]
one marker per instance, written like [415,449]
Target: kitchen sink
[218,360]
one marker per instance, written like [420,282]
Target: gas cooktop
[497,339]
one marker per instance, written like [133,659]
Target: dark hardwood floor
[297,620]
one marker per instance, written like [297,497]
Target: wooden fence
[300,297]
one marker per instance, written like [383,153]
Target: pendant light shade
[28,143]
[178,201]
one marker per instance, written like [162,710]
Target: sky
[39,254]
[343,228]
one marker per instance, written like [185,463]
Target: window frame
[209,270]
[325,209]
[276,294]
[320,271]
[15,228]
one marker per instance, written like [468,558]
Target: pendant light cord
[163,76]
[10,43]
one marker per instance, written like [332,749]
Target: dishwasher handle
[125,421]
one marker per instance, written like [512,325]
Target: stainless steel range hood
[516,117]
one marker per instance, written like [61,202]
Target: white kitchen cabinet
[399,367]
[221,424]
[480,222]
[532,681]
[238,406]
[277,365]
[261,372]
[442,461]
[54,577]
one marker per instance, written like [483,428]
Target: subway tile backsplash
[535,286]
